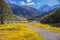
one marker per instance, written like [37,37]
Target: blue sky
[34,3]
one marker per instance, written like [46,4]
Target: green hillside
[50,17]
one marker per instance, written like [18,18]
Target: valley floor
[18,32]
[46,34]
[27,31]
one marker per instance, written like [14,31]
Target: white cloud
[28,4]
[21,3]
[32,3]
[29,1]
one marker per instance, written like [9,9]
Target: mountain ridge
[45,8]
[25,11]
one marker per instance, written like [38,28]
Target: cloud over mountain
[21,3]
[29,1]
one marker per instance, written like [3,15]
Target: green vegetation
[53,16]
[49,17]
[4,12]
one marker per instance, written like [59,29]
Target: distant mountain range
[24,11]
[30,12]
[46,8]
[55,6]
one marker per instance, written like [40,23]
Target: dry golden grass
[46,27]
[17,32]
